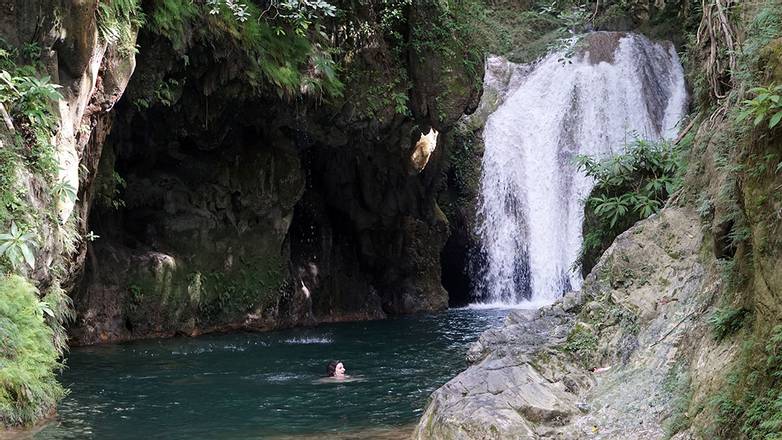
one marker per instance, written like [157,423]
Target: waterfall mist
[615,88]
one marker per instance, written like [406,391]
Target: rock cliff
[220,202]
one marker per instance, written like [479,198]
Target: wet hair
[332,367]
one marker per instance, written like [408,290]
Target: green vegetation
[17,247]
[26,150]
[25,99]
[118,22]
[284,45]
[32,334]
[727,321]
[750,405]
[28,355]
[677,385]
[582,343]
[628,187]
[57,307]
[766,105]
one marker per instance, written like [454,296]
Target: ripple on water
[274,377]
[227,386]
[312,340]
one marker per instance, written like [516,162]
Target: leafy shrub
[64,192]
[27,97]
[28,356]
[727,321]
[766,105]
[628,187]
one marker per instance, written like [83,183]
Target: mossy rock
[771,61]
[447,71]
[168,296]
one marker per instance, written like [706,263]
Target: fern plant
[28,356]
[17,247]
[117,21]
[727,321]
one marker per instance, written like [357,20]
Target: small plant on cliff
[727,321]
[766,105]
[582,343]
[16,246]
[64,192]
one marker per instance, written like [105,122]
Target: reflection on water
[263,385]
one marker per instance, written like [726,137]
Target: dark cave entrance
[455,271]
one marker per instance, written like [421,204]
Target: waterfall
[616,87]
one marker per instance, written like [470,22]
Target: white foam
[522,305]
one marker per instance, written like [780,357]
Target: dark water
[265,385]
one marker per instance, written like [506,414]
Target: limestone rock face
[93,76]
[598,364]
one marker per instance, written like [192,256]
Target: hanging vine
[718,36]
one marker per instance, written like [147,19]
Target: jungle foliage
[27,100]
[32,334]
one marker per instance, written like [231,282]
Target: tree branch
[7,118]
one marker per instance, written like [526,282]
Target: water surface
[265,385]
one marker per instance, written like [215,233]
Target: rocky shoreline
[610,362]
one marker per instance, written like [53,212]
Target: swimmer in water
[335,373]
[336,370]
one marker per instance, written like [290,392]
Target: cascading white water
[532,195]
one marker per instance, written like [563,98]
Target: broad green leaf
[28,255]
[13,256]
[775,120]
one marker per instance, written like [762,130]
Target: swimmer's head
[335,369]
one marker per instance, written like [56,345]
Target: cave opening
[455,275]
